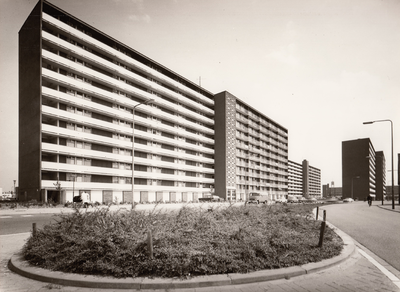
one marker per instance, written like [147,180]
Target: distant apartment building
[380,190]
[304,180]
[251,150]
[359,169]
[96,116]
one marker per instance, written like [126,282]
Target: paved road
[19,223]
[373,227]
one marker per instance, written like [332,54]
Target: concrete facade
[252,151]
[304,179]
[86,124]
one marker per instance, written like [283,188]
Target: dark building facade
[358,169]
[380,176]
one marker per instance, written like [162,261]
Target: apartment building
[304,179]
[358,169]
[94,113]
[380,190]
[251,151]
[295,179]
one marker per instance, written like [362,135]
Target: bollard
[321,235]
[317,213]
[324,215]
[33,229]
[150,244]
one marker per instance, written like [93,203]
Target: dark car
[78,199]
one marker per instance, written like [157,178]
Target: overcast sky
[320,68]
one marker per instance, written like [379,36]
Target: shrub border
[18,265]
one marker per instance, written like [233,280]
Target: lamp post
[391,127]
[352,181]
[73,185]
[133,138]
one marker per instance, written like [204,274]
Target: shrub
[192,241]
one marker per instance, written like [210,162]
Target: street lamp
[391,127]
[73,185]
[352,185]
[133,138]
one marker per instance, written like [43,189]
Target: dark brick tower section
[380,175]
[358,168]
[225,145]
[30,64]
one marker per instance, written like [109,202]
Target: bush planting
[189,242]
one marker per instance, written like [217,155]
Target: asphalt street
[20,223]
[373,227]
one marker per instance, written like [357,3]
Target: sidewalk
[354,273]
[388,206]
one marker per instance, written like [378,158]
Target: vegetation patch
[189,242]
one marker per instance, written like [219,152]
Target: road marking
[387,273]
[5,217]
[26,215]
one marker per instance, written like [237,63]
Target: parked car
[256,198]
[292,199]
[311,200]
[281,200]
[348,200]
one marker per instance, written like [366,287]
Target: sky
[319,68]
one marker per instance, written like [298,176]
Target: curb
[388,209]
[18,265]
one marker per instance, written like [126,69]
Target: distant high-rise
[304,180]
[358,169]
[380,175]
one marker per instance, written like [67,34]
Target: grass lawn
[190,242]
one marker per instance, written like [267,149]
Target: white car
[348,200]
[281,200]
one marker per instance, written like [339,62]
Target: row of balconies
[88,153]
[119,55]
[118,85]
[102,109]
[259,133]
[89,121]
[114,97]
[92,138]
[70,185]
[94,170]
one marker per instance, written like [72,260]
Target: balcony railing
[127,59]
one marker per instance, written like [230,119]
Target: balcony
[87,121]
[87,153]
[116,98]
[151,72]
[175,165]
[95,107]
[88,137]
[64,167]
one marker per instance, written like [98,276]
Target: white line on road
[387,273]
[26,215]
[5,217]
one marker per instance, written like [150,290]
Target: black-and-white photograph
[187,145]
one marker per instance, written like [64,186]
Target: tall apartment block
[380,190]
[295,179]
[251,151]
[359,175]
[94,113]
[304,179]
